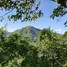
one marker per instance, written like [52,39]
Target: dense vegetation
[17,49]
[29,32]
[50,50]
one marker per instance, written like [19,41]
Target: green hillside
[28,32]
[46,49]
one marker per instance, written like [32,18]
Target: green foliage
[31,59]
[28,10]
[25,10]
[52,48]
[29,32]
[50,51]
[60,11]
[12,47]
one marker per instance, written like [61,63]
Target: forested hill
[28,32]
[48,50]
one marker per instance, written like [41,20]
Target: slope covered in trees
[29,32]
[49,51]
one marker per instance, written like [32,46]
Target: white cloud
[58,30]
[10,29]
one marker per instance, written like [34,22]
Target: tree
[24,9]
[31,59]
[52,49]
[63,3]
[12,49]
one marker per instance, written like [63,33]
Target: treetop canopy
[28,10]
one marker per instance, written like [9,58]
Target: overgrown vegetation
[50,50]
[16,50]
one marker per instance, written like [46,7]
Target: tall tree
[52,49]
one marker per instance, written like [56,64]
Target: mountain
[29,32]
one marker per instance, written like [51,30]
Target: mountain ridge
[29,32]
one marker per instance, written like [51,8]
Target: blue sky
[43,22]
